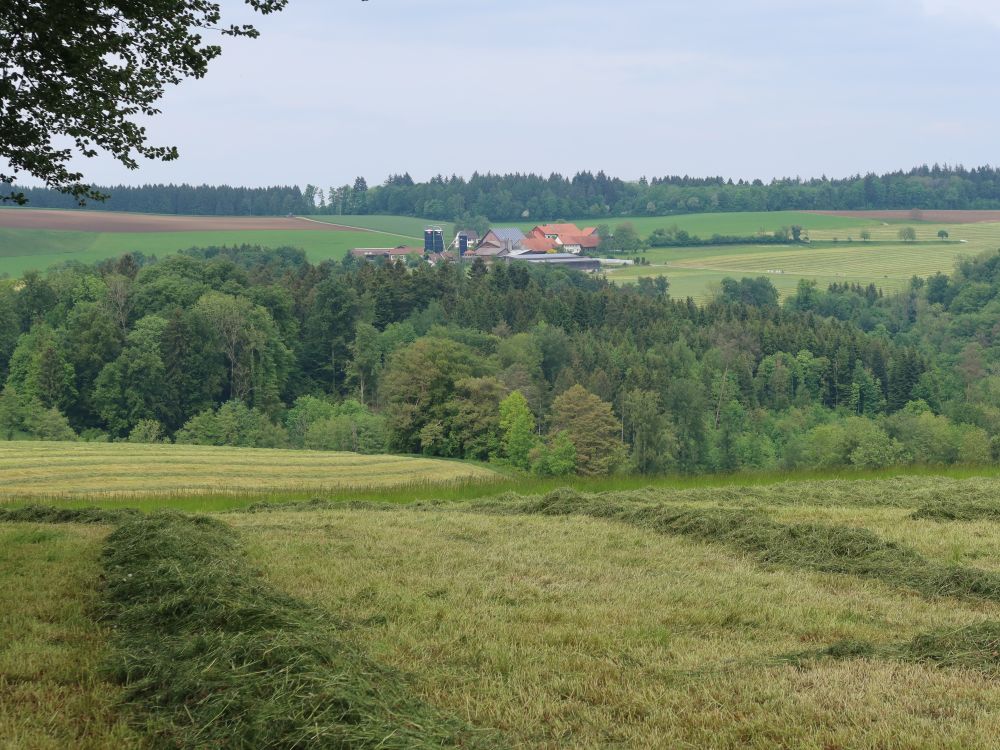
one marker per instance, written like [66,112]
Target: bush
[556,459]
[234,424]
[358,433]
[146,431]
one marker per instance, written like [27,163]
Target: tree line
[514,197]
[543,369]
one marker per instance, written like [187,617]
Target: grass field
[51,695]
[803,614]
[836,253]
[36,249]
[833,255]
[562,629]
[406,227]
[743,223]
[35,470]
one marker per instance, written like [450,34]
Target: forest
[513,197]
[543,370]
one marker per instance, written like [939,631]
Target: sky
[334,89]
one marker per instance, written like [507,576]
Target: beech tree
[84,73]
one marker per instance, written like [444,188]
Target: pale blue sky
[741,88]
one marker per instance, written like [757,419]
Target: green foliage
[417,386]
[39,370]
[146,431]
[517,429]
[24,417]
[556,458]
[591,427]
[209,655]
[235,424]
[84,98]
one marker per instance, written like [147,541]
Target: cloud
[964,10]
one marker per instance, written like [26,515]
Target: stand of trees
[544,369]
[518,197]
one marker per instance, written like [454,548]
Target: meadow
[835,254]
[821,613]
[117,471]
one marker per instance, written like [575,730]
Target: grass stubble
[52,693]
[209,655]
[814,614]
[626,620]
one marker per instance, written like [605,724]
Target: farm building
[534,244]
[471,239]
[565,260]
[568,238]
[499,242]
[386,252]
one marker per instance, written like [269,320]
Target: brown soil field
[932,216]
[111,221]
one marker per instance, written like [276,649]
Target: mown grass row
[963,510]
[209,656]
[804,546]
[975,647]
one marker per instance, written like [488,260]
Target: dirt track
[109,221]
[932,216]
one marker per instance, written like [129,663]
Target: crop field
[818,614]
[33,470]
[37,239]
[405,227]
[835,254]
[743,223]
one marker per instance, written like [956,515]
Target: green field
[889,264]
[405,226]
[29,249]
[836,252]
[37,249]
[833,255]
[744,223]
[819,614]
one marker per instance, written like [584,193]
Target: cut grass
[119,471]
[220,479]
[572,631]
[806,546]
[50,647]
[958,511]
[209,656]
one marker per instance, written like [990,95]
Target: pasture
[121,471]
[835,254]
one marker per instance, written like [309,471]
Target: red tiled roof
[538,244]
[583,240]
[560,229]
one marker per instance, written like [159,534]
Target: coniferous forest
[546,370]
[585,195]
